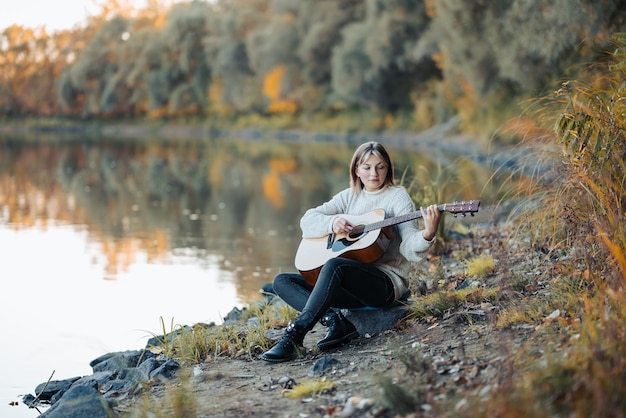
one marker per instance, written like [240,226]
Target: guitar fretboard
[398,219]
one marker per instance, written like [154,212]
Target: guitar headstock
[470,206]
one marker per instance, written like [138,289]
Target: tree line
[428,59]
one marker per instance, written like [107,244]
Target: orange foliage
[215,98]
[158,112]
[271,190]
[120,255]
[284,166]
[215,174]
[271,83]
[467,87]
[528,129]
[161,19]
[439,58]
[283,106]
[431,8]
[466,103]
[271,88]
[271,182]
[160,245]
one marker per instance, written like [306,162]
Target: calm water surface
[102,240]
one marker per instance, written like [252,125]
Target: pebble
[484,391]
[355,405]
[555,314]
[460,404]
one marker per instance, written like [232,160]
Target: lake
[103,241]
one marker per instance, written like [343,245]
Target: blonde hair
[362,153]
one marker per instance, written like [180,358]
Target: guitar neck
[399,219]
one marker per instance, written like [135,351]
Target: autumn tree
[184,61]
[372,67]
[320,25]
[30,62]
[229,57]
[235,85]
[508,48]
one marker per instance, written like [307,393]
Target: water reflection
[236,201]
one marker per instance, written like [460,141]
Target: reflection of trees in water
[239,200]
[242,201]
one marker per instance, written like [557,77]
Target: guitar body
[366,247]
[367,242]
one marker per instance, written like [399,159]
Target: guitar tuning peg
[472,214]
[464,215]
[454,215]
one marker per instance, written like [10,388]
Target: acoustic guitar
[366,242]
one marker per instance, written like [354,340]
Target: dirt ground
[463,360]
[431,367]
[464,363]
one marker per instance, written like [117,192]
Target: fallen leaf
[156,350]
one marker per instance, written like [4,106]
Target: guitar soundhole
[353,237]
[356,232]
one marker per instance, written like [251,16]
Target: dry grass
[178,401]
[438,303]
[581,210]
[481,266]
[194,344]
[309,388]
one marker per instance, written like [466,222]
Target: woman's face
[372,172]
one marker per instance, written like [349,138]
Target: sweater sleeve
[413,245]
[318,222]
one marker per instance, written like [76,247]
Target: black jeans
[342,283]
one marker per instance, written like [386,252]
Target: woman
[344,283]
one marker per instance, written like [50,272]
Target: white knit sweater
[409,244]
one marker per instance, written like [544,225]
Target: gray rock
[322,365]
[79,402]
[374,321]
[166,370]
[47,390]
[148,366]
[95,380]
[119,360]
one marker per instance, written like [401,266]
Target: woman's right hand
[341,226]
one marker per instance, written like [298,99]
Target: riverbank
[438,365]
[441,364]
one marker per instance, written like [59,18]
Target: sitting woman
[344,283]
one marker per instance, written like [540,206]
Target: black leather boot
[289,347]
[340,331]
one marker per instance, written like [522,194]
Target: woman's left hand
[431,216]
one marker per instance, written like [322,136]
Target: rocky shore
[438,365]
[115,377]
[120,376]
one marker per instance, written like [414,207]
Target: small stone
[364,404]
[322,365]
[555,314]
[460,404]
